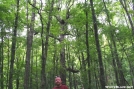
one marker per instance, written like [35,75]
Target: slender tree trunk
[45,46]
[68,57]
[87,45]
[70,80]
[130,64]
[31,70]
[102,76]
[96,80]
[43,59]
[63,25]
[29,48]
[62,57]
[74,81]
[84,72]
[117,64]
[62,51]
[37,84]
[121,76]
[123,3]
[83,65]
[1,59]
[115,70]
[8,63]
[121,80]
[18,71]
[114,64]
[112,51]
[54,61]
[62,54]
[13,48]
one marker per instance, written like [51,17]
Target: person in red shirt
[58,84]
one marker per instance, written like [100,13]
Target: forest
[88,43]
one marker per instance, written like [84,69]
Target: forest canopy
[88,43]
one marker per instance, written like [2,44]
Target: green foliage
[112,26]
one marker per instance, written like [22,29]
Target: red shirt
[61,87]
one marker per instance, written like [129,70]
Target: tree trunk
[116,61]
[114,64]
[87,45]
[63,29]
[1,59]
[121,76]
[96,80]
[70,81]
[62,57]
[37,81]
[112,52]
[29,48]
[8,63]
[102,76]
[84,72]
[130,63]
[18,71]
[83,64]
[45,46]
[74,81]
[43,58]
[13,48]
[31,70]
[62,51]
[123,3]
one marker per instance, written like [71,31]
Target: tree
[1,58]
[30,31]
[45,45]
[102,76]
[88,43]
[124,5]
[13,47]
[63,29]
